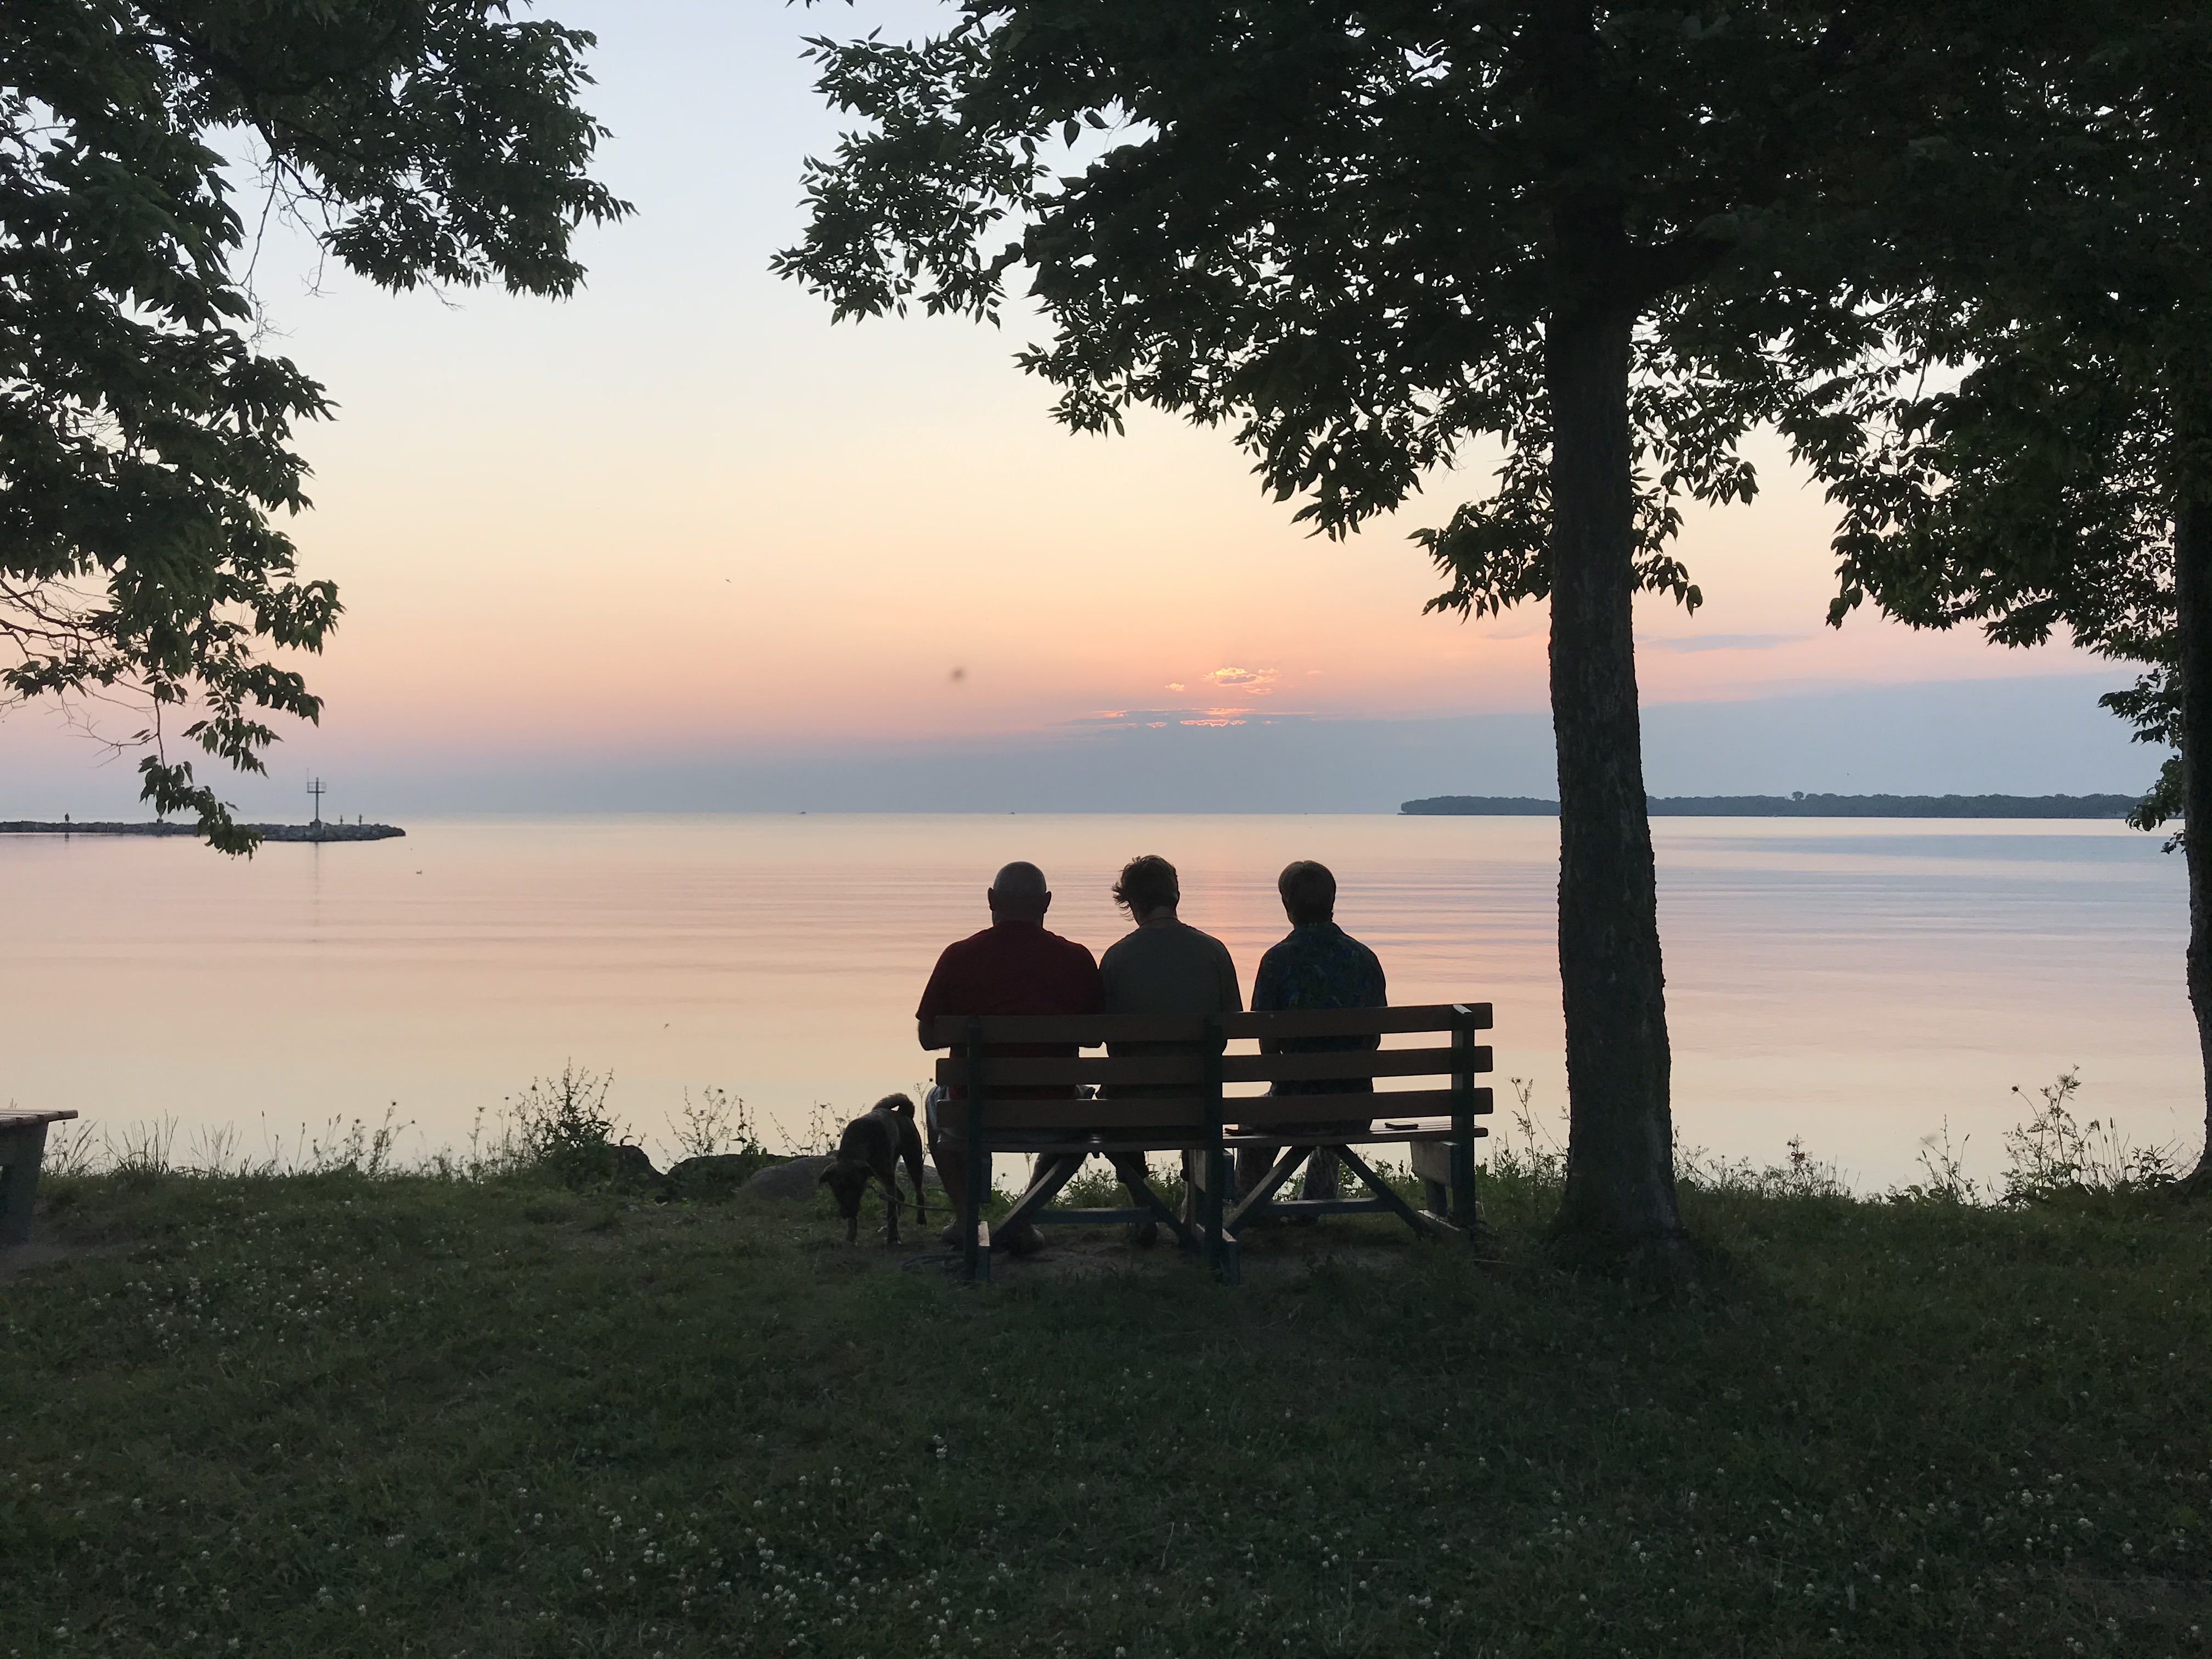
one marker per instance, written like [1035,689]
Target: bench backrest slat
[1185,1112]
[1189,1113]
[1089,1030]
[1273,1111]
[1170,1070]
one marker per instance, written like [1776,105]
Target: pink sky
[682,508]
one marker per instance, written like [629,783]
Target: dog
[873,1146]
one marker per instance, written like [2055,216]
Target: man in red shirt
[1012,967]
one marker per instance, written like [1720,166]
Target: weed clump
[564,1130]
[721,1147]
[2053,1155]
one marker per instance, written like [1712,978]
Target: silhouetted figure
[1164,966]
[1317,965]
[1012,967]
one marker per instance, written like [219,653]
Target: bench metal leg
[21,1150]
[1466,1212]
[1205,1205]
[1405,1212]
[1221,1250]
[1217,1207]
[1053,1171]
[1259,1200]
[1446,1173]
[1138,1179]
[975,1232]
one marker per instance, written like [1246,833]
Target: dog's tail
[900,1103]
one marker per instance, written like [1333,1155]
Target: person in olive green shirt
[1164,966]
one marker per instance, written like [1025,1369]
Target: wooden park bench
[22,1149]
[1189,1109]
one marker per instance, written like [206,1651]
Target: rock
[794,1178]
[632,1166]
[710,1180]
[587,1166]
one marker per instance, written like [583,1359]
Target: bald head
[1018,893]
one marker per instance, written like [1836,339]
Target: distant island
[315,832]
[1799,806]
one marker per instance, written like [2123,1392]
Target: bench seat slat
[1092,1029]
[1188,1070]
[1380,1131]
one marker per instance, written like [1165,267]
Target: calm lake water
[1851,982]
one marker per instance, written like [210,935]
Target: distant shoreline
[1798,806]
[307,832]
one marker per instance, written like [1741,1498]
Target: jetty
[312,832]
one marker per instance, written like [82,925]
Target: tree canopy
[2034,455]
[1610,239]
[146,440]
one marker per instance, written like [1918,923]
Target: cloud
[1125,720]
[1687,643]
[1175,685]
[1250,682]
[1127,717]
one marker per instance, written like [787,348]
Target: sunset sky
[680,522]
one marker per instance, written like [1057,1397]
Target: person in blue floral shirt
[1318,965]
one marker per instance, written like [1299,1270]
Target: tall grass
[146,1150]
[563,1125]
[2052,1155]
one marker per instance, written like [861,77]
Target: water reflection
[1853,983]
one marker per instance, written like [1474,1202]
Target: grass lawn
[325,1415]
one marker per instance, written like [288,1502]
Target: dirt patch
[1104,1251]
[42,1252]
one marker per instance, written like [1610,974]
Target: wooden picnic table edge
[13,1118]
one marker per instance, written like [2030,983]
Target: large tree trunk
[2192,619]
[1619,1198]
